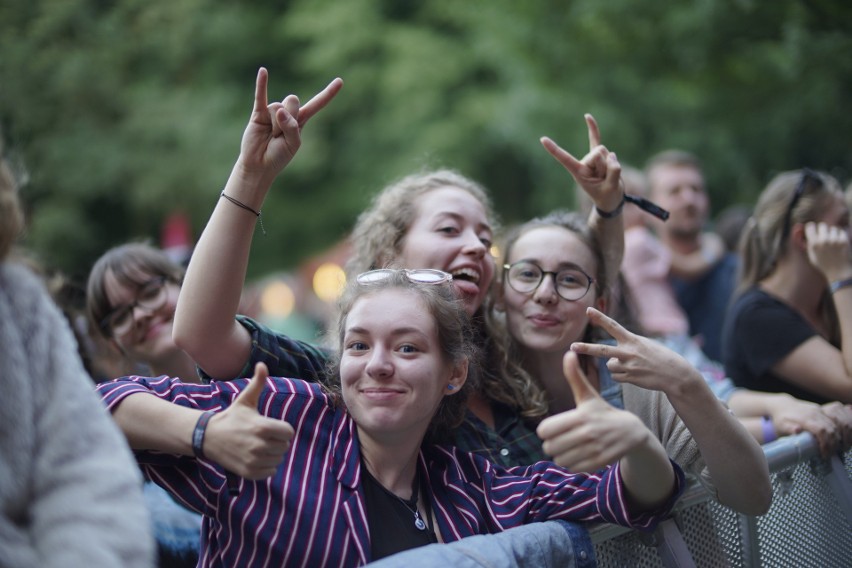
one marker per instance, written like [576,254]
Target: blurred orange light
[278,300]
[329,280]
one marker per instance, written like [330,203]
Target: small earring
[451,387]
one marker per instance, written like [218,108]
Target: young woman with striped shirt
[364,473]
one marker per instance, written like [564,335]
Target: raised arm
[595,434]
[729,451]
[599,174]
[816,365]
[204,324]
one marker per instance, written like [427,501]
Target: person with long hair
[551,298]
[790,328]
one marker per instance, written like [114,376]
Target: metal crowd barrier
[808,524]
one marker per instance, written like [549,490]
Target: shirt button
[504,452]
[583,555]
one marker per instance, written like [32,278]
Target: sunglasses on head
[418,276]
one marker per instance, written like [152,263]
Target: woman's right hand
[598,173]
[274,132]
[242,440]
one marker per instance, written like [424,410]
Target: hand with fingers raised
[598,173]
[274,132]
[242,440]
[639,360]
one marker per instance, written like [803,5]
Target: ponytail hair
[790,198]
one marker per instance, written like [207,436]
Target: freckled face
[451,232]
[150,337]
[541,320]
[392,370]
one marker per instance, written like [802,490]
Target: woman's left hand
[829,250]
[598,173]
[638,360]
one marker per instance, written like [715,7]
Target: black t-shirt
[391,521]
[760,331]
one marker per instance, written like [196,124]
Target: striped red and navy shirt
[311,512]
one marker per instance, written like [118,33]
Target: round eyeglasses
[418,276]
[152,296]
[526,276]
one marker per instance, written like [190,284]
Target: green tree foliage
[128,110]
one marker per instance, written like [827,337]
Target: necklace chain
[410,504]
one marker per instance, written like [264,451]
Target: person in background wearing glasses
[130,302]
[790,328]
[130,299]
[551,299]
[359,469]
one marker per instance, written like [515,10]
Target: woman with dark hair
[130,301]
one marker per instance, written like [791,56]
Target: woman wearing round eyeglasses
[551,298]
[356,471]
[790,328]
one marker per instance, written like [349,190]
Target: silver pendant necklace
[411,505]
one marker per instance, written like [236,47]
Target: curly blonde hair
[378,237]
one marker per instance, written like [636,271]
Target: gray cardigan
[70,491]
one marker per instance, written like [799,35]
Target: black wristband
[610,214]
[198,433]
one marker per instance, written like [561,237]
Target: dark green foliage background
[125,111]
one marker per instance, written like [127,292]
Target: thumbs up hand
[592,435]
[242,440]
